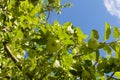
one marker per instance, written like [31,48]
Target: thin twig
[78,55]
[111,76]
[7,49]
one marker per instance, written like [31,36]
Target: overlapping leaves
[54,51]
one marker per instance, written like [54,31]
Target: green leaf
[11,4]
[94,34]
[117,49]
[43,30]
[19,34]
[73,72]
[93,44]
[80,33]
[117,61]
[85,75]
[116,32]
[101,45]
[68,42]
[81,36]
[107,49]
[67,24]
[32,53]
[101,65]
[107,31]
[60,32]
[53,44]
[117,74]
[67,60]
[88,62]
[113,45]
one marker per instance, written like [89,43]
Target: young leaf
[117,74]
[81,36]
[107,31]
[43,30]
[67,60]
[93,44]
[116,32]
[94,34]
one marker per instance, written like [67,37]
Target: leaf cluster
[31,48]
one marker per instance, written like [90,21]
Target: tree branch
[7,49]
[15,60]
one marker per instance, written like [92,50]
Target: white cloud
[113,6]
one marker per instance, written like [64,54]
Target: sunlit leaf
[117,74]
[107,31]
[43,30]
[107,49]
[94,34]
[56,63]
[93,43]
[80,34]
[67,60]
[116,32]
[53,45]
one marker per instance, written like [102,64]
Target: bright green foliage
[94,34]
[53,45]
[93,44]
[107,31]
[116,32]
[55,51]
[107,49]
[117,74]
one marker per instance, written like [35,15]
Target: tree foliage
[33,49]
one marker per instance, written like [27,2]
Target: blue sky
[90,14]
